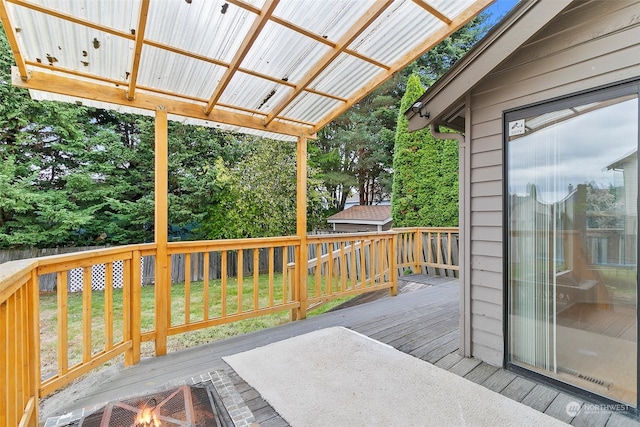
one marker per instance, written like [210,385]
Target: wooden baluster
[205,286]
[187,288]
[271,275]
[223,283]
[86,315]
[256,277]
[63,327]
[240,278]
[108,306]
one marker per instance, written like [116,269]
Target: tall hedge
[425,179]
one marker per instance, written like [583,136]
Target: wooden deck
[423,323]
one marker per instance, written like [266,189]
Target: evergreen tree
[425,180]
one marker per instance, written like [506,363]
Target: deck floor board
[423,323]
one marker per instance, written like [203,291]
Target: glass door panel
[572,175]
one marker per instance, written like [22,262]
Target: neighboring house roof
[374,215]
[624,160]
[444,102]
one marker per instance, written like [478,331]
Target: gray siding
[355,228]
[590,44]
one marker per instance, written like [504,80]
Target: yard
[196,291]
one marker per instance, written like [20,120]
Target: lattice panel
[98,276]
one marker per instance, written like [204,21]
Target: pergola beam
[435,12]
[80,89]
[253,33]
[71,18]
[13,41]
[358,28]
[137,51]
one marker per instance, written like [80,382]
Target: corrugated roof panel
[207,31]
[60,43]
[295,53]
[386,40]
[327,18]
[451,8]
[309,108]
[253,93]
[177,73]
[199,27]
[344,76]
[121,15]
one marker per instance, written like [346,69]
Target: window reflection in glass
[572,242]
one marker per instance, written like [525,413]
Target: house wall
[588,45]
[354,228]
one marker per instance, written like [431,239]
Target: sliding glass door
[571,240]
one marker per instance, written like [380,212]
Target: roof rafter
[71,18]
[119,76]
[253,33]
[432,10]
[104,93]
[409,57]
[142,24]
[358,28]
[13,41]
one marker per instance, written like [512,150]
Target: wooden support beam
[70,18]
[137,51]
[253,33]
[161,226]
[432,10]
[10,31]
[356,29]
[301,227]
[79,89]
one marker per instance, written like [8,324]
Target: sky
[572,152]
[499,8]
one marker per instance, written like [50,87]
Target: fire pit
[185,406]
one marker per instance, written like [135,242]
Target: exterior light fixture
[417,108]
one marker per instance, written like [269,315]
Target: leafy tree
[425,181]
[255,196]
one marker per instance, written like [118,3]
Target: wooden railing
[432,250]
[240,279]
[349,264]
[19,354]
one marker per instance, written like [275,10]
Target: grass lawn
[197,295]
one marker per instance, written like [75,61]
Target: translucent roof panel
[275,68]
[175,73]
[345,75]
[262,96]
[385,41]
[199,27]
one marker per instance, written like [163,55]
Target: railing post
[417,255]
[301,228]
[33,314]
[162,286]
[393,265]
